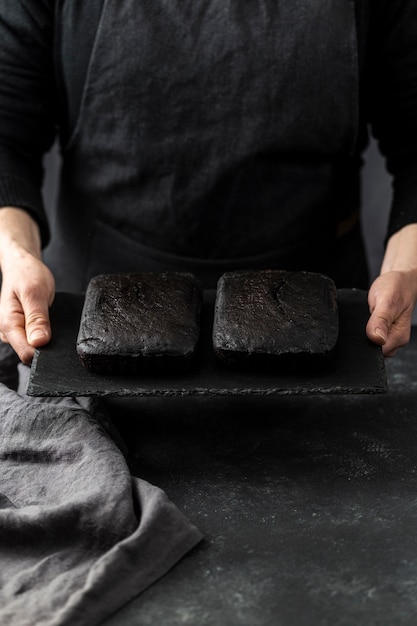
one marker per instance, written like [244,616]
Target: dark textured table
[308,505]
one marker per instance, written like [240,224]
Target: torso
[209,132]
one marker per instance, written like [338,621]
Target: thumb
[38,328]
[378,327]
[382,310]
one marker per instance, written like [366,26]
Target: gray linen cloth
[79,536]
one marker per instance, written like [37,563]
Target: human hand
[393,295]
[391,299]
[27,292]
[27,288]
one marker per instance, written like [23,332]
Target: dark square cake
[140,322]
[272,318]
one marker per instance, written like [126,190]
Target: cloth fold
[79,536]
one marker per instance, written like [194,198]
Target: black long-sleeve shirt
[36,101]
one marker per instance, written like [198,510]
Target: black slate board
[357,365]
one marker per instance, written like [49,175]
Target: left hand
[393,295]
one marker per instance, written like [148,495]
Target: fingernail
[379,332]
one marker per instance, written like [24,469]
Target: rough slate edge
[357,366]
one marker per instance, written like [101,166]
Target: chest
[166,64]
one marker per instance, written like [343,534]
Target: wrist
[401,251]
[19,234]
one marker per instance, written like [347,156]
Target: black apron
[211,136]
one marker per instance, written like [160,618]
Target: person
[207,136]
[200,135]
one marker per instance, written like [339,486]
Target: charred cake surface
[142,322]
[269,317]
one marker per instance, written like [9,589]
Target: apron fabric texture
[210,136]
[79,536]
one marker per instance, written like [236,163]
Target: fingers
[25,325]
[390,334]
[17,339]
[391,303]
[24,311]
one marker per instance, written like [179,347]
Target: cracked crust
[274,317]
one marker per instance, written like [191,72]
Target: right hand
[27,289]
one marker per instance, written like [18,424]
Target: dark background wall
[376,199]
